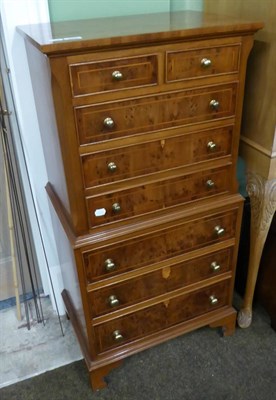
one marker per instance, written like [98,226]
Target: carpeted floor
[197,366]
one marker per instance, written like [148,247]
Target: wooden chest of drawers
[148,118]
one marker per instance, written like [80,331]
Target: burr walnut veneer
[142,172]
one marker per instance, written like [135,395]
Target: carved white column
[262,195]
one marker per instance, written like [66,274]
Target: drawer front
[116,206]
[202,62]
[138,115]
[156,247]
[155,283]
[145,158]
[160,316]
[110,75]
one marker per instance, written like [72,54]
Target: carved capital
[262,195]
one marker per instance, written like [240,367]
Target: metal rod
[29,255]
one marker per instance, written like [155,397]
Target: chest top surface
[92,34]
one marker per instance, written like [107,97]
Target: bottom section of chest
[145,286]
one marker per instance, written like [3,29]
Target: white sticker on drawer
[100,212]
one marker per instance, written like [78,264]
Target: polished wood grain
[62,213]
[61,89]
[158,282]
[67,129]
[74,174]
[152,248]
[162,154]
[121,232]
[189,64]
[137,115]
[133,30]
[158,195]
[73,316]
[160,316]
[155,256]
[97,76]
[221,317]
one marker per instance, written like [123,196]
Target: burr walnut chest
[141,133]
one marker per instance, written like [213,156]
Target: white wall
[13,13]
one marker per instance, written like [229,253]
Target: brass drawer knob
[117,75]
[213,300]
[210,184]
[215,266]
[211,146]
[111,166]
[117,336]
[219,231]
[214,104]
[113,301]
[116,208]
[109,264]
[206,62]
[108,123]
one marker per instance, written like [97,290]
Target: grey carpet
[200,365]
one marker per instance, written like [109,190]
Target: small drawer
[151,113]
[111,75]
[158,282]
[145,158]
[159,246]
[202,62]
[103,209]
[161,316]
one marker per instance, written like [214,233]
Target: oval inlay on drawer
[158,195]
[151,113]
[106,75]
[163,245]
[145,158]
[202,62]
[172,277]
[161,316]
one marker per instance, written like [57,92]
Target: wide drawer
[202,62]
[160,316]
[145,158]
[158,282]
[121,204]
[116,119]
[114,74]
[162,245]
